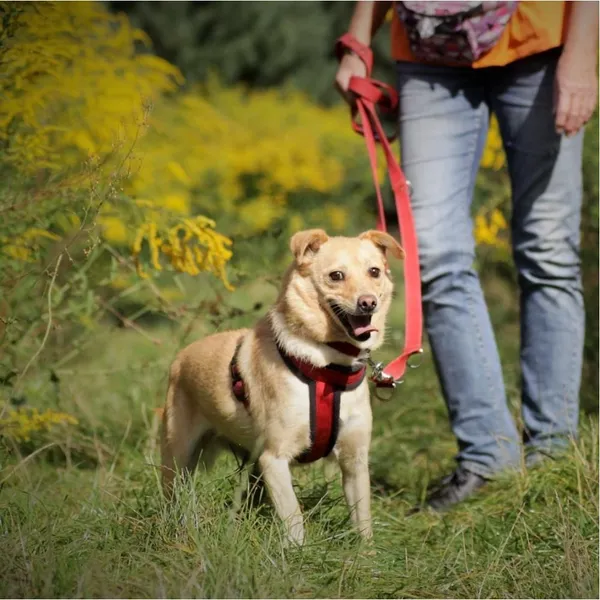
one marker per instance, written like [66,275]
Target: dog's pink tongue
[361,324]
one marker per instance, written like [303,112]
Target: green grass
[85,517]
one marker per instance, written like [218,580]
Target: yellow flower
[191,246]
[177,203]
[24,247]
[498,219]
[337,217]
[73,86]
[34,232]
[489,232]
[21,424]
[296,223]
[493,154]
[178,172]
[19,252]
[113,229]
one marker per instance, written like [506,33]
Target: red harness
[325,387]
[370,94]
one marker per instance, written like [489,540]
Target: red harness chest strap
[237,383]
[325,387]
[369,95]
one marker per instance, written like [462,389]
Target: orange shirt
[534,27]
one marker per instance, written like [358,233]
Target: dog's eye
[336,276]
[374,272]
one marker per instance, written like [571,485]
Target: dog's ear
[384,241]
[306,243]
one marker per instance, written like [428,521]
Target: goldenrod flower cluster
[72,84]
[21,424]
[191,246]
[23,247]
[488,229]
[493,154]
[248,153]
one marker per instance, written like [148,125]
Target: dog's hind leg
[186,436]
[206,452]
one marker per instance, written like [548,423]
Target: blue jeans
[444,117]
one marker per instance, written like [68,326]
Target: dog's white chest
[292,422]
[295,416]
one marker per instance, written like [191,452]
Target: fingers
[341,83]
[589,106]
[350,66]
[574,104]
[342,80]
[573,110]
[575,117]
[562,104]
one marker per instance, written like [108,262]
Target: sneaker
[454,488]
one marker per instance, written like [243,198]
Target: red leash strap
[369,95]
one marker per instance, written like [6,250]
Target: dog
[292,389]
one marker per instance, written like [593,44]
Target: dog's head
[340,288]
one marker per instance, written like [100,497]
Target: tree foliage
[258,44]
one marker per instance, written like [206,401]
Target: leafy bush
[76,99]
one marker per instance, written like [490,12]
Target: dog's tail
[168,459]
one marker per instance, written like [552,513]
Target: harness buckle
[377,369]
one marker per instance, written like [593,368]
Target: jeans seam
[571,383]
[477,328]
[472,314]
[566,387]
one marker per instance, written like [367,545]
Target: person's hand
[350,66]
[575,91]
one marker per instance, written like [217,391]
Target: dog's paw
[294,537]
[291,542]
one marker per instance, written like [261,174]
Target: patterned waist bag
[457,32]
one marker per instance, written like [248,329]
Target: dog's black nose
[367,303]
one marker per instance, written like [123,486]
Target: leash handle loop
[370,95]
[349,43]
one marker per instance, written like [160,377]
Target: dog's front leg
[354,463]
[278,480]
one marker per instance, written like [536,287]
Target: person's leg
[442,126]
[545,171]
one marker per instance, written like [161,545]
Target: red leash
[370,94]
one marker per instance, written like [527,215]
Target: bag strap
[369,95]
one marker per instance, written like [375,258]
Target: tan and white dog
[335,296]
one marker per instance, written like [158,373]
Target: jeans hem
[477,468]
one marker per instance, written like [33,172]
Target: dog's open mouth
[358,327]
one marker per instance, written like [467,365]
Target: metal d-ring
[387,397]
[420,354]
